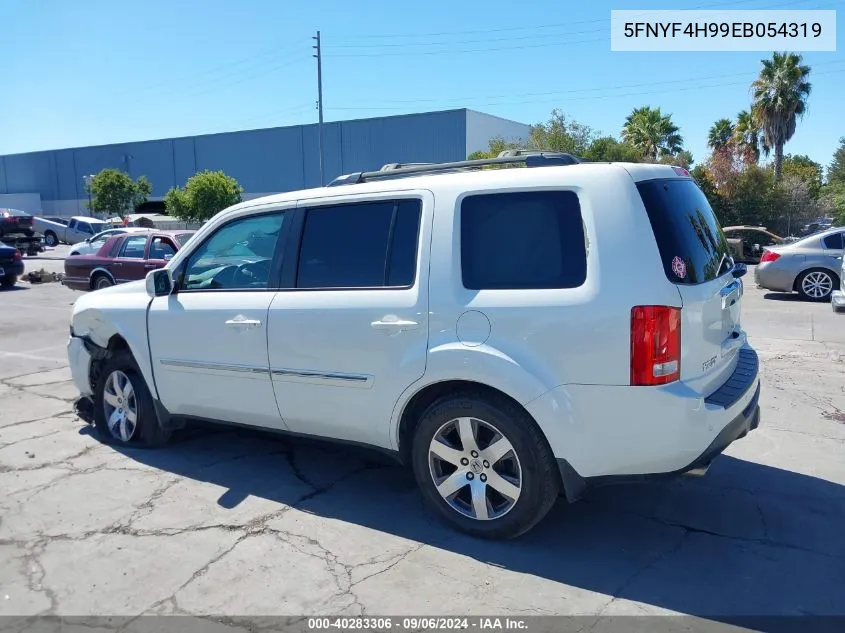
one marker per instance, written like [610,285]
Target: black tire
[51,239]
[146,433]
[540,478]
[8,281]
[100,281]
[828,278]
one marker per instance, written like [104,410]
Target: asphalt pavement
[226,522]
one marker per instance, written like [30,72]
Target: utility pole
[319,57]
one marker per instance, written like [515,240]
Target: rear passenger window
[834,241]
[366,245]
[522,240]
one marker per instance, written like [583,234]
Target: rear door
[697,260]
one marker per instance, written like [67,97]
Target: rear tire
[121,394]
[101,281]
[817,284]
[484,466]
[8,281]
[51,239]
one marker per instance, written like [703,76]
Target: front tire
[817,284]
[484,466]
[124,413]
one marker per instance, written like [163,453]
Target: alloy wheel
[817,284]
[120,406]
[475,468]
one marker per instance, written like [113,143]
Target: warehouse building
[264,161]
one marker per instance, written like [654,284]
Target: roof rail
[530,158]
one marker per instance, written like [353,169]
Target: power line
[559,24]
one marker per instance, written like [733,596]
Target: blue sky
[100,71]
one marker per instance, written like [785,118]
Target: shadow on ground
[747,539]
[14,288]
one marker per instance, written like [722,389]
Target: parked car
[837,298]
[811,266]
[747,242]
[15,222]
[122,258]
[95,242]
[11,265]
[474,323]
[76,230]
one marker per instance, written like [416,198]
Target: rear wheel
[816,284]
[50,238]
[101,281]
[484,466]
[8,281]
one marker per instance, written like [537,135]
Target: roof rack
[530,158]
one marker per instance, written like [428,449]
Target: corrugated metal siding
[263,161]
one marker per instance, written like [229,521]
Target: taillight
[655,345]
[769,256]
[18,256]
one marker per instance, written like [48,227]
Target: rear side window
[691,243]
[522,240]
[363,245]
[834,241]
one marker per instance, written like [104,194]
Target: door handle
[149,266]
[397,325]
[244,323]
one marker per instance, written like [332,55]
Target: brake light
[769,256]
[655,345]
[18,256]
[680,171]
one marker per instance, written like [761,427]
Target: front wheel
[484,466]
[124,413]
[817,284]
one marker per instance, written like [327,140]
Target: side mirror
[739,270]
[159,282]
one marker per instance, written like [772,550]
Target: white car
[95,242]
[837,298]
[510,334]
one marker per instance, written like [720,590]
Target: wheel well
[428,395]
[833,275]
[98,273]
[115,345]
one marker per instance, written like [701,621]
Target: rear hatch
[697,260]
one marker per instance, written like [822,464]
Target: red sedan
[122,258]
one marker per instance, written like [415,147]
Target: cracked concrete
[226,523]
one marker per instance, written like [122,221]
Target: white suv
[511,334]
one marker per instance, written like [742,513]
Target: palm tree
[747,138]
[720,134]
[780,96]
[652,132]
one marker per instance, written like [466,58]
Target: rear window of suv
[691,243]
[522,240]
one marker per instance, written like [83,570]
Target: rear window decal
[679,267]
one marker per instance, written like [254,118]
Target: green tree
[560,134]
[780,96]
[114,191]
[806,170]
[836,169]
[204,195]
[608,149]
[681,159]
[747,138]
[495,146]
[721,134]
[652,132]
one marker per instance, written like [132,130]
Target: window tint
[522,240]
[84,227]
[834,241]
[133,247]
[685,227]
[161,248]
[366,245]
[238,256]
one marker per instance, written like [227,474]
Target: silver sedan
[811,266]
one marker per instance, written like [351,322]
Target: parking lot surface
[234,522]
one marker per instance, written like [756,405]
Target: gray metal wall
[263,161]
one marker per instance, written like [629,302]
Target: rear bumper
[774,276]
[837,300]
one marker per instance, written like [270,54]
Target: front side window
[238,256]
[360,245]
[522,240]
[133,247]
[161,248]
